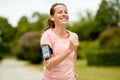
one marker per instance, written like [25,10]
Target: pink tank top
[65,70]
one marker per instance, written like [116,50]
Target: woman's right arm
[54,61]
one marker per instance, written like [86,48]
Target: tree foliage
[24,24]
[23,20]
[6,35]
[87,28]
[108,13]
[91,26]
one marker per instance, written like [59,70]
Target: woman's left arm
[75,58]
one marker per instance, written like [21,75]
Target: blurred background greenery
[99,36]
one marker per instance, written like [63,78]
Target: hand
[73,45]
[76,76]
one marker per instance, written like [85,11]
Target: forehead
[60,7]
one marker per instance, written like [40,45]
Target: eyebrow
[62,10]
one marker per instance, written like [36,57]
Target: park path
[11,69]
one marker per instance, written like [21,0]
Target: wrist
[68,51]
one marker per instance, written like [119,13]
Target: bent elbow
[48,67]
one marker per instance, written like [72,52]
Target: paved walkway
[11,69]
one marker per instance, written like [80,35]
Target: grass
[93,73]
[96,73]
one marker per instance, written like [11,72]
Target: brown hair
[50,23]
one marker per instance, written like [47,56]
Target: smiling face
[60,16]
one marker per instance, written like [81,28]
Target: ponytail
[50,24]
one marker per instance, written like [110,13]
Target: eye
[59,12]
[66,12]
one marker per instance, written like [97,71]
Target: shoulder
[45,38]
[73,34]
[46,33]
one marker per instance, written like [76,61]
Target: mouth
[64,19]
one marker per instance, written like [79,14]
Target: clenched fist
[73,44]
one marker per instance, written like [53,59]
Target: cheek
[67,15]
[56,17]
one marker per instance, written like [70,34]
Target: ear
[51,17]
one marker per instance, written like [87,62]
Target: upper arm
[75,55]
[45,39]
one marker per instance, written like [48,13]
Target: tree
[24,24]
[41,20]
[23,20]
[87,27]
[108,13]
[22,27]
[6,36]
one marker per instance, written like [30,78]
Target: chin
[64,22]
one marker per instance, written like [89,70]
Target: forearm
[75,58]
[75,55]
[54,61]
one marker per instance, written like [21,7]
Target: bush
[104,51]
[110,38]
[29,47]
[104,58]
[86,47]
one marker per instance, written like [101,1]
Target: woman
[64,43]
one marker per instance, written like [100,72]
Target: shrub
[29,47]
[108,52]
[110,38]
[104,58]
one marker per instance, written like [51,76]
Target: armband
[46,51]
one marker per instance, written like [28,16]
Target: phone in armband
[46,51]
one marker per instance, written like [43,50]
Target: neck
[60,31]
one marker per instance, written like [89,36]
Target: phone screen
[46,51]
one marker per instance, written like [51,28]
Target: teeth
[64,19]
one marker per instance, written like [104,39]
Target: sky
[13,10]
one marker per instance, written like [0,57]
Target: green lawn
[96,73]
[93,73]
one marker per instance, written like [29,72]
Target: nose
[64,14]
